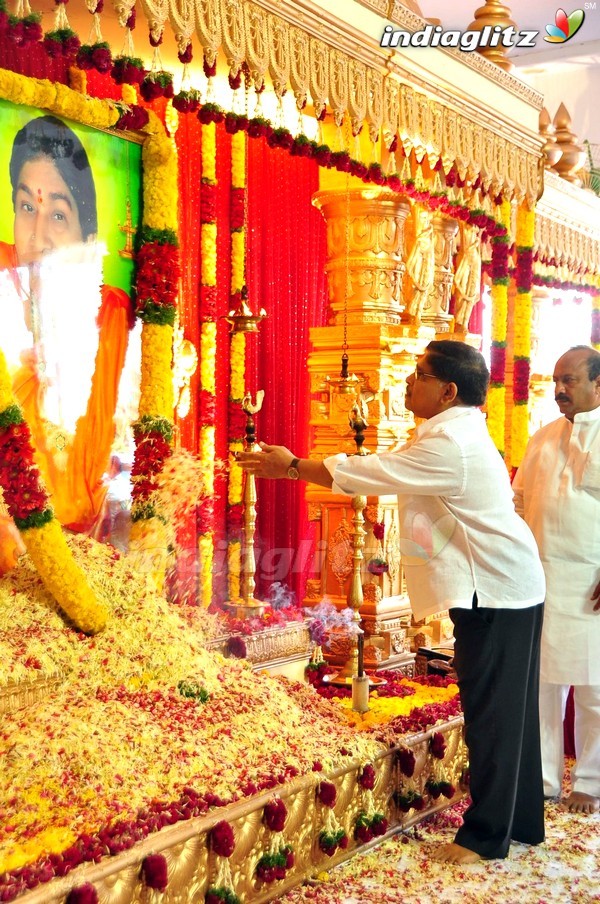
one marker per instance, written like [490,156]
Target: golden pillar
[365,254]
[365,269]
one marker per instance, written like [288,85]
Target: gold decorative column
[365,268]
[365,284]
[436,312]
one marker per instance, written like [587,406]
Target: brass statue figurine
[467,278]
[420,266]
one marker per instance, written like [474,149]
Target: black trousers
[496,657]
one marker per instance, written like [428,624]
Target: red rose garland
[437,783]
[332,836]
[369,823]
[155,871]
[221,839]
[274,864]
[406,795]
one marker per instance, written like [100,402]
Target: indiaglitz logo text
[467,41]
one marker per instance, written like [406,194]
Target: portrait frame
[155,299]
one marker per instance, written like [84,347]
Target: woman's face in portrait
[46,214]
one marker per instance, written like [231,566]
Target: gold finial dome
[494,13]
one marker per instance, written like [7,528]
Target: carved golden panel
[319,74]
[279,54]
[357,94]
[391,109]
[181,17]
[374,102]
[233,34]
[208,28]
[338,85]
[339,552]
[257,42]
[299,65]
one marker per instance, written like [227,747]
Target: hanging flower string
[208,353]
[437,782]
[158,82]
[62,40]
[222,841]
[127,68]
[97,54]
[496,401]
[406,796]
[25,26]
[332,836]
[369,823]
[274,865]
[236,425]
[522,334]
[28,504]
[187,99]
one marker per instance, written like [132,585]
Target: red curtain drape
[286,276]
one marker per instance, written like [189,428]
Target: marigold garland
[522,334]
[156,300]
[29,506]
[237,362]
[496,400]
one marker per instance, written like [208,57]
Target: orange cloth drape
[72,469]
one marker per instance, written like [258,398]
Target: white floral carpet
[565,869]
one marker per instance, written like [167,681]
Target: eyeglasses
[421,375]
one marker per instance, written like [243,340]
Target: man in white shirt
[557,490]
[480,562]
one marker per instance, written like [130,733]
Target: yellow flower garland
[160,203]
[49,552]
[522,337]
[496,400]
[157,383]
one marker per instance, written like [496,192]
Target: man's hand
[271,461]
[596,596]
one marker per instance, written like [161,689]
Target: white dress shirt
[557,490]
[459,532]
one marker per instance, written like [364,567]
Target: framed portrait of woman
[72,197]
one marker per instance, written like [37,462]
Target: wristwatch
[292,472]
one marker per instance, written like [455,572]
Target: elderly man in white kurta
[557,490]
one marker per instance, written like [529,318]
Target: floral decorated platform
[137,763]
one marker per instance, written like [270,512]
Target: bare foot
[577,802]
[455,853]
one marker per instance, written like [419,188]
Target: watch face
[293,473]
